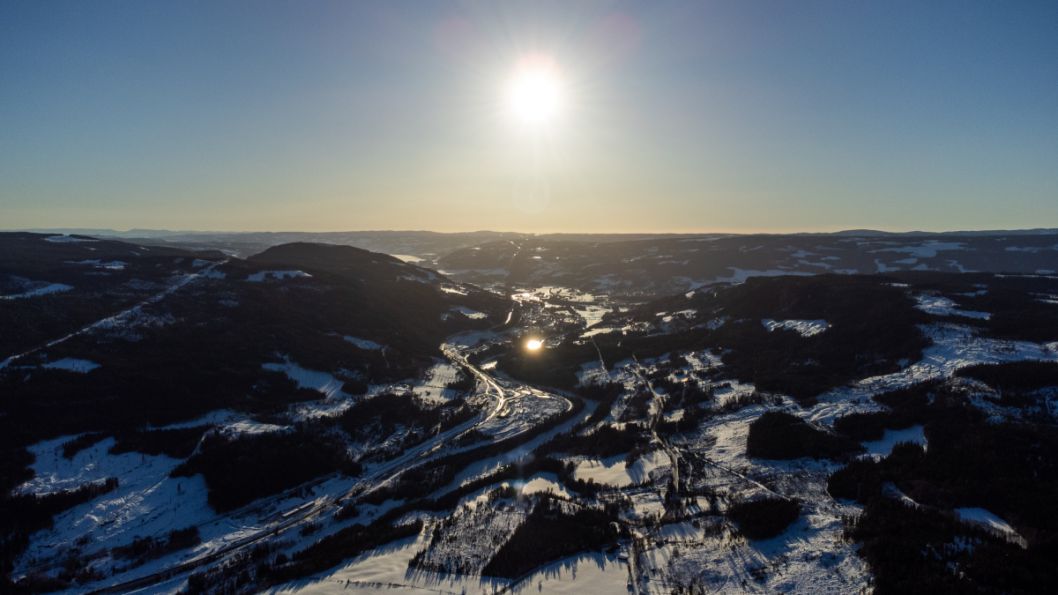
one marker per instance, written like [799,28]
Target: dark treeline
[873,327]
[142,549]
[780,435]
[1009,469]
[606,441]
[869,426]
[71,447]
[242,469]
[261,568]
[764,518]
[22,515]
[177,443]
[1018,383]
[383,414]
[1014,303]
[1015,376]
[922,550]
[551,533]
[302,320]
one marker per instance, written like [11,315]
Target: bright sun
[535,92]
[534,344]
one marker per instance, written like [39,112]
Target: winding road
[304,513]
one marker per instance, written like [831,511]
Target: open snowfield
[613,471]
[432,387]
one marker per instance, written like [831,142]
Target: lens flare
[534,344]
[535,91]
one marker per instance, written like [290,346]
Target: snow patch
[926,250]
[110,265]
[322,382]
[469,312]
[740,275]
[941,306]
[43,290]
[363,343]
[72,364]
[884,446]
[65,239]
[985,518]
[614,472]
[806,328]
[261,276]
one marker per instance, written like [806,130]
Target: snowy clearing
[323,382]
[613,471]
[261,276]
[65,239]
[434,386]
[942,306]
[112,265]
[954,347]
[883,446]
[987,519]
[363,343]
[805,328]
[927,250]
[468,312]
[44,290]
[740,275]
[72,364]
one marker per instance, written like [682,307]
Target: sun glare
[534,92]
[534,344]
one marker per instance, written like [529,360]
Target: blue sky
[680,116]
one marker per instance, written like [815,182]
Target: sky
[674,116]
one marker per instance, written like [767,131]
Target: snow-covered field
[433,386]
[613,471]
[809,557]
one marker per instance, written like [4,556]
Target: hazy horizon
[73,229]
[599,117]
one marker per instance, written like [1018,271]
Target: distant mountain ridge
[864,232]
